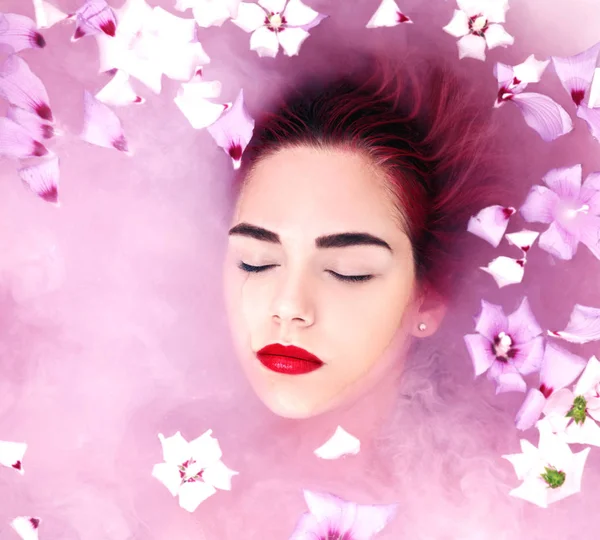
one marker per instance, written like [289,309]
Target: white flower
[192,470]
[277,22]
[550,472]
[477,24]
[210,12]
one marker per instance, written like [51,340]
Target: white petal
[496,36]
[471,7]
[176,450]
[264,42]
[219,475]
[491,223]
[495,12]
[274,6]
[583,326]
[594,100]
[291,39]
[572,483]
[169,27]
[531,70]
[11,455]
[533,490]
[26,527]
[523,239]
[184,5]
[471,46]
[524,462]
[192,102]
[209,13]
[506,271]
[388,14]
[559,403]
[590,378]
[586,433]
[179,61]
[459,25]
[168,475]
[119,92]
[192,494]
[102,126]
[340,444]
[47,15]
[530,410]
[298,14]
[250,17]
[205,449]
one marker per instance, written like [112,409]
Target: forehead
[318,191]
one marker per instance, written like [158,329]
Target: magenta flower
[506,347]
[333,518]
[571,209]
[540,112]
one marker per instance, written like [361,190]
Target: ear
[429,314]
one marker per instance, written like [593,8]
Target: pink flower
[540,112]
[478,25]
[332,517]
[277,22]
[571,209]
[506,347]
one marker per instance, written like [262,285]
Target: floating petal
[119,92]
[340,444]
[491,223]
[591,118]
[583,326]
[531,410]
[93,17]
[192,494]
[388,14]
[565,181]
[210,12]
[299,14]
[37,128]
[101,126]
[594,100]
[544,115]
[42,179]
[523,239]
[559,368]
[576,72]
[250,17]
[20,87]
[19,32]
[531,70]
[480,351]
[166,26]
[459,25]
[16,141]
[47,15]
[496,36]
[590,378]
[11,455]
[505,271]
[26,527]
[233,130]
[193,101]
[292,39]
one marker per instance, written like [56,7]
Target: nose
[292,302]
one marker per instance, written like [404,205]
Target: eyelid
[351,278]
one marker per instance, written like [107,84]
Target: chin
[288,407]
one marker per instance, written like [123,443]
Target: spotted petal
[37,128]
[11,455]
[531,70]
[388,14]
[544,115]
[102,126]
[233,130]
[93,17]
[583,326]
[119,92]
[19,32]
[26,527]
[491,223]
[576,72]
[20,87]
[42,179]
[340,444]
[530,410]
[505,271]
[16,141]
[559,368]
[523,239]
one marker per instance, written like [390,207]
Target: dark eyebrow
[323,242]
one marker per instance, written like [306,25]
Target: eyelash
[348,279]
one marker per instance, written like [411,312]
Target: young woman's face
[317,262]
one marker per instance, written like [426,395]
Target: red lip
[288,359]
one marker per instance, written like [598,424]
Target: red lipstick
[288,359]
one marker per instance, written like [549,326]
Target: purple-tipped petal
[528,356]
[505,271]
[42,179]
[591,118]
[583,325]
[16,141]
[233,130]
[530,410]
[94,17]
[540,205]
[388,14]
[101,126]
[523,239]
[559,368]
[576,72]
[506,377]
[491,321]
[26,527]
[20,87]
[544,115]
[19,32]
[37,128]
[522,325]
[491,223]
[559,242]
[12,454]
[480,350]
[565,181]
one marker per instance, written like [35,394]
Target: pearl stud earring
[422,327]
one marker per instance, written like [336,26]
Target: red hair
[420,129]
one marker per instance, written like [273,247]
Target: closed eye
[254,269]
[342,277]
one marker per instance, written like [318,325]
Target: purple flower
[506,347]
[571,209]
[333,518]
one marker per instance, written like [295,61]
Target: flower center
[478,24]
[336,535]
[275,22]
[553,477]
[502,345]
[572,213]
[185,474]
[578,411]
